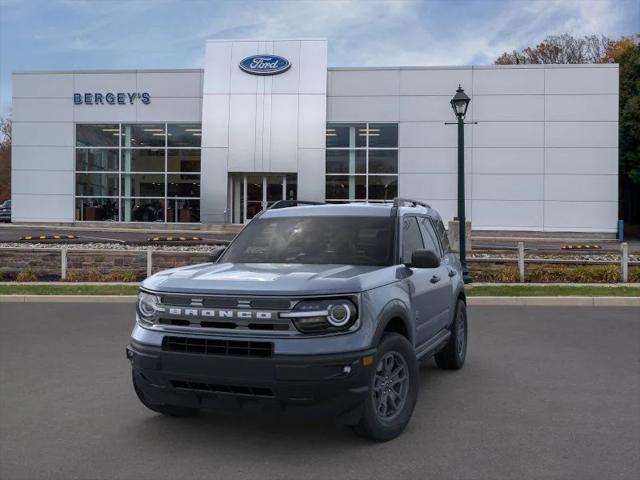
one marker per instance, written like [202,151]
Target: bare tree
[560,49]
[5,159]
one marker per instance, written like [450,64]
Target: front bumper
[312,385]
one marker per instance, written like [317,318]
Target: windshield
[319,240]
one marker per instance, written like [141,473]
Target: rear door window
[430,239]
[442,235]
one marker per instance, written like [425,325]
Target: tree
[599,49]
[560,49]
[5,159]
[626,53]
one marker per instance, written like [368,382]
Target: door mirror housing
[423,258]
[216,254]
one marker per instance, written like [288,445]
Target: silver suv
[312,309]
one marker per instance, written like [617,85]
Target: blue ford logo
[265,64]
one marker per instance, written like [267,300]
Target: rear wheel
[393,390]
[169,410]
[452,356]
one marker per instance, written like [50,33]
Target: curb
[474,301]
[556,301]
[68,298]
[471,286]
[75,284]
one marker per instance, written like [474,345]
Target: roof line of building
[481,67]
[113,70]
[230,40]
[416,67]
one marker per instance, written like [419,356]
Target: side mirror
[216,254]
[423,258]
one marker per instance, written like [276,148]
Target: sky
[114,34]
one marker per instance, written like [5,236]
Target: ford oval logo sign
[265,64]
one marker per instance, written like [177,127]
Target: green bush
[634,274]
[550,273]
[74,277]
[120,277]
[494,272]
[555,273]
[97,276]
[26,275]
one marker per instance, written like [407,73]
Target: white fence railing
[521,259]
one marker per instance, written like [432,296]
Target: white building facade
[217,145]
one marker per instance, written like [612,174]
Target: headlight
[323,316]
[148,306]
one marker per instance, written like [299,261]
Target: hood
[270,279]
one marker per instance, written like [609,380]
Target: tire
[385,415]
[452,356]
[169,410]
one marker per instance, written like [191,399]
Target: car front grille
[238,315]
[206,346]
[223,389]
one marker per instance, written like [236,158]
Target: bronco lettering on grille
[213,313]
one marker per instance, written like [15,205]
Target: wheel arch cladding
[462,296]
[394,318]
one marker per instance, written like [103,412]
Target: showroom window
[361,162]
[143,172]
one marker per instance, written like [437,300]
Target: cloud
[84,34]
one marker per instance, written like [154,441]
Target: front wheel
[452,356]
[393,390]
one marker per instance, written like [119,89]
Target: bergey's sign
[110,98]
[265,64]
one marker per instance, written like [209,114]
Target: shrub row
[481,272]
[552,273]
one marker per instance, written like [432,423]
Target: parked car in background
[5,211]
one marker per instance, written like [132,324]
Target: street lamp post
[460,103]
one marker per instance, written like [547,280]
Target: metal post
[63,263]
[461,202]
[625,262]
[521,261]
[149,261]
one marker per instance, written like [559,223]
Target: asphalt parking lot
[546,393]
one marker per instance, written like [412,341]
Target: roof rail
[291,203]
[400,202]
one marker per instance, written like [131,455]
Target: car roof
[346,210]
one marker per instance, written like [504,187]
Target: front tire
[452,356]
[169,410]
[393,390]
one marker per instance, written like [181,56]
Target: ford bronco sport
[316,309]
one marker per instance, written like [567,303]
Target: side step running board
[431,347]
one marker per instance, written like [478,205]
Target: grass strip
[481,291]
[54,289]
[551,291]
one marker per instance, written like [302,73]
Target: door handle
[435,279]
[452,273]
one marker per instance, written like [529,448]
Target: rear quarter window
[442,235]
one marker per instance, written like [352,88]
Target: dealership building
[270,120]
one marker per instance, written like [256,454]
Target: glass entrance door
[254,186]
[251,193]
